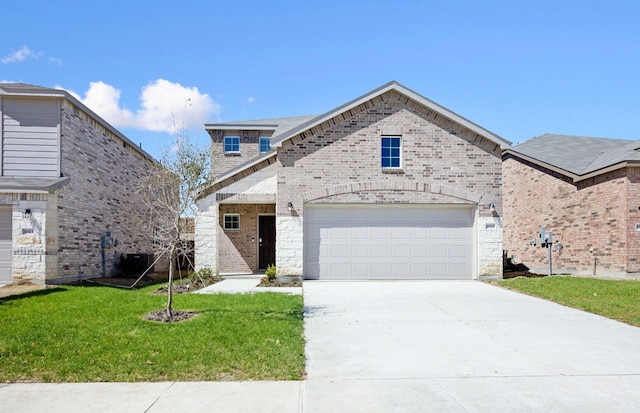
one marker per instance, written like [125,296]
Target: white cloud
[251,99]
[164,106]
[21,55]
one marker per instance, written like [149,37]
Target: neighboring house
[388,186]
[68,181]
[586,191]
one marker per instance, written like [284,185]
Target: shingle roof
[27,88]
[578,155]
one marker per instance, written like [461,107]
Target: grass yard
[96,333]
[615,299]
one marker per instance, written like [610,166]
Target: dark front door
[266,241]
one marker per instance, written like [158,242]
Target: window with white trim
[231,144]
[231,221]
[391,150]
[265,144]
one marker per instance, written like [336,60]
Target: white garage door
[388,242]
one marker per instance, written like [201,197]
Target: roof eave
[226,126]
[607,169]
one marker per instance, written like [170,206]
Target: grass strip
[615,299]
[96,333]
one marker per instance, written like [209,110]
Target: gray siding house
[68,203]
[389,185]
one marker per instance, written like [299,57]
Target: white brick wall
[263,181]
[289,244]
[206,234]
[490,247]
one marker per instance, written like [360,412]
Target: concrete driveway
[461,347]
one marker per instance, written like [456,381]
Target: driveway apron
[461,347]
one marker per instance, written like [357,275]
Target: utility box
[136,264]
[546,237]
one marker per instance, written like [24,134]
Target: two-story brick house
[387,186]
[68,181]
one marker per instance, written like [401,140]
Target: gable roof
[286,128]
[393,85]
[578,157]
[27,90]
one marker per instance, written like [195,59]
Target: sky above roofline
[517,69]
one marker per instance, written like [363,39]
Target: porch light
[289,207]
[26,214]
[492,207]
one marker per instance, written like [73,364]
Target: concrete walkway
[405,347]
[238,284]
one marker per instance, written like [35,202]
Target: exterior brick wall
[104,172]
[593,219]
[435,151]
[238,249]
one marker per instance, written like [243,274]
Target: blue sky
[517,68]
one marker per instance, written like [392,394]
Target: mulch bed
[514,274]
[264,282]
[161,316]
[188,286]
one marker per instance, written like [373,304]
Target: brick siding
[249,148]
[104,172]
[345,149]
[593,219]
[238,249]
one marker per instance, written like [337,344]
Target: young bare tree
[168,191]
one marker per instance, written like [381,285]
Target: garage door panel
[379,251]
[350,242]
[458,251]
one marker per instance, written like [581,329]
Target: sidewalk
[163,397]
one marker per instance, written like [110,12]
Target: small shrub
[270,273]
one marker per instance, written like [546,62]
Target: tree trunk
[172,253]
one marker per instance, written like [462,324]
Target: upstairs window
[265,144]
[390,157]
[231,144]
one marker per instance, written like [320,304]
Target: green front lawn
[616,299]
[96,333]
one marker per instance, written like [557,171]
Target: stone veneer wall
[593,219]
[34,245]
[104,171]
[436,152]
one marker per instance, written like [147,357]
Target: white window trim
[224,222]
[260,144]
[224,144]
[401,143]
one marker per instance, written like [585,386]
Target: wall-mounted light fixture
[492,207]
[26,214]
[289,207]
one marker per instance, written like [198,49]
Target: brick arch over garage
[391,185]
